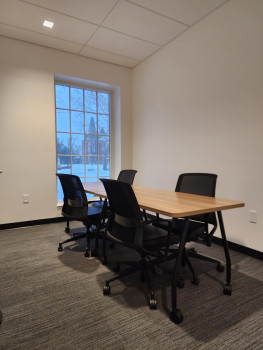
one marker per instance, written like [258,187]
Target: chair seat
[94,211]
[195,228]
[99,204]
[75,214]
[156,237]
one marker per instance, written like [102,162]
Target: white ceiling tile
[143,24]
[108,57]
[108,40]
[93,11]
[23,15]
[118,31]
[185,11]
[36,38]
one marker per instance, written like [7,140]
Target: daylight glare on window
[83,133]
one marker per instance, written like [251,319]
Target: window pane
[104,124]
[62,96]
[103,103]
[78,166]
[104,168]
[77,122]
[63,120]
[76,99]
[90,101]
[77,144]
[91,145]
[104,146]
[63,143]
[63,165]
[91,167]
[91,123]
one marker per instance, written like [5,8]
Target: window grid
[88,152]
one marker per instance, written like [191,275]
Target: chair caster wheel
[106,290]
[153,304]
[60,248]
[67,229]
[196,281]
[176,316]
[220,267]
[227,289]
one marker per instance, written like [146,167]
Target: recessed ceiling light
[48,24]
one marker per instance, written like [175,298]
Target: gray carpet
[54,300]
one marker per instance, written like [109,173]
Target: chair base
[67,228]
[76,237]
[194,254]
[140,266]
[73,238]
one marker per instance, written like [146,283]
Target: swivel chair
[201,227]
[127,227]
[76,207]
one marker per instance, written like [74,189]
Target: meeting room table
[179,205]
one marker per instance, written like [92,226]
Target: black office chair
[126,226]
[126,175]
[75,207]
[201,227]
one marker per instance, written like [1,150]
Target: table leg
[227,287]
[176,314]
[99,226]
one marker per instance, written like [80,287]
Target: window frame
[90,87]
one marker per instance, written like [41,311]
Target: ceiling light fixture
[48,24]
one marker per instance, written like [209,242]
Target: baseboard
[31,223]
[240,248]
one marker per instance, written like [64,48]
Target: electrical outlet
[253,216]
[25,198]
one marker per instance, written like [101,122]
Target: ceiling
[123,32]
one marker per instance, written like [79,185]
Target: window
[83,132]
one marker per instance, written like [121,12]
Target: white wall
[198,107]
[27,124]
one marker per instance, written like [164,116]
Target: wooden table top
[170,203]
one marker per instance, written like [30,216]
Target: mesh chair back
[75,200]
[125,223]
[127,175]
[203,184]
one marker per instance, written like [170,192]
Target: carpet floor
[54,301]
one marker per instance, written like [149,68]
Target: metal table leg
[176,315]
[227,288]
